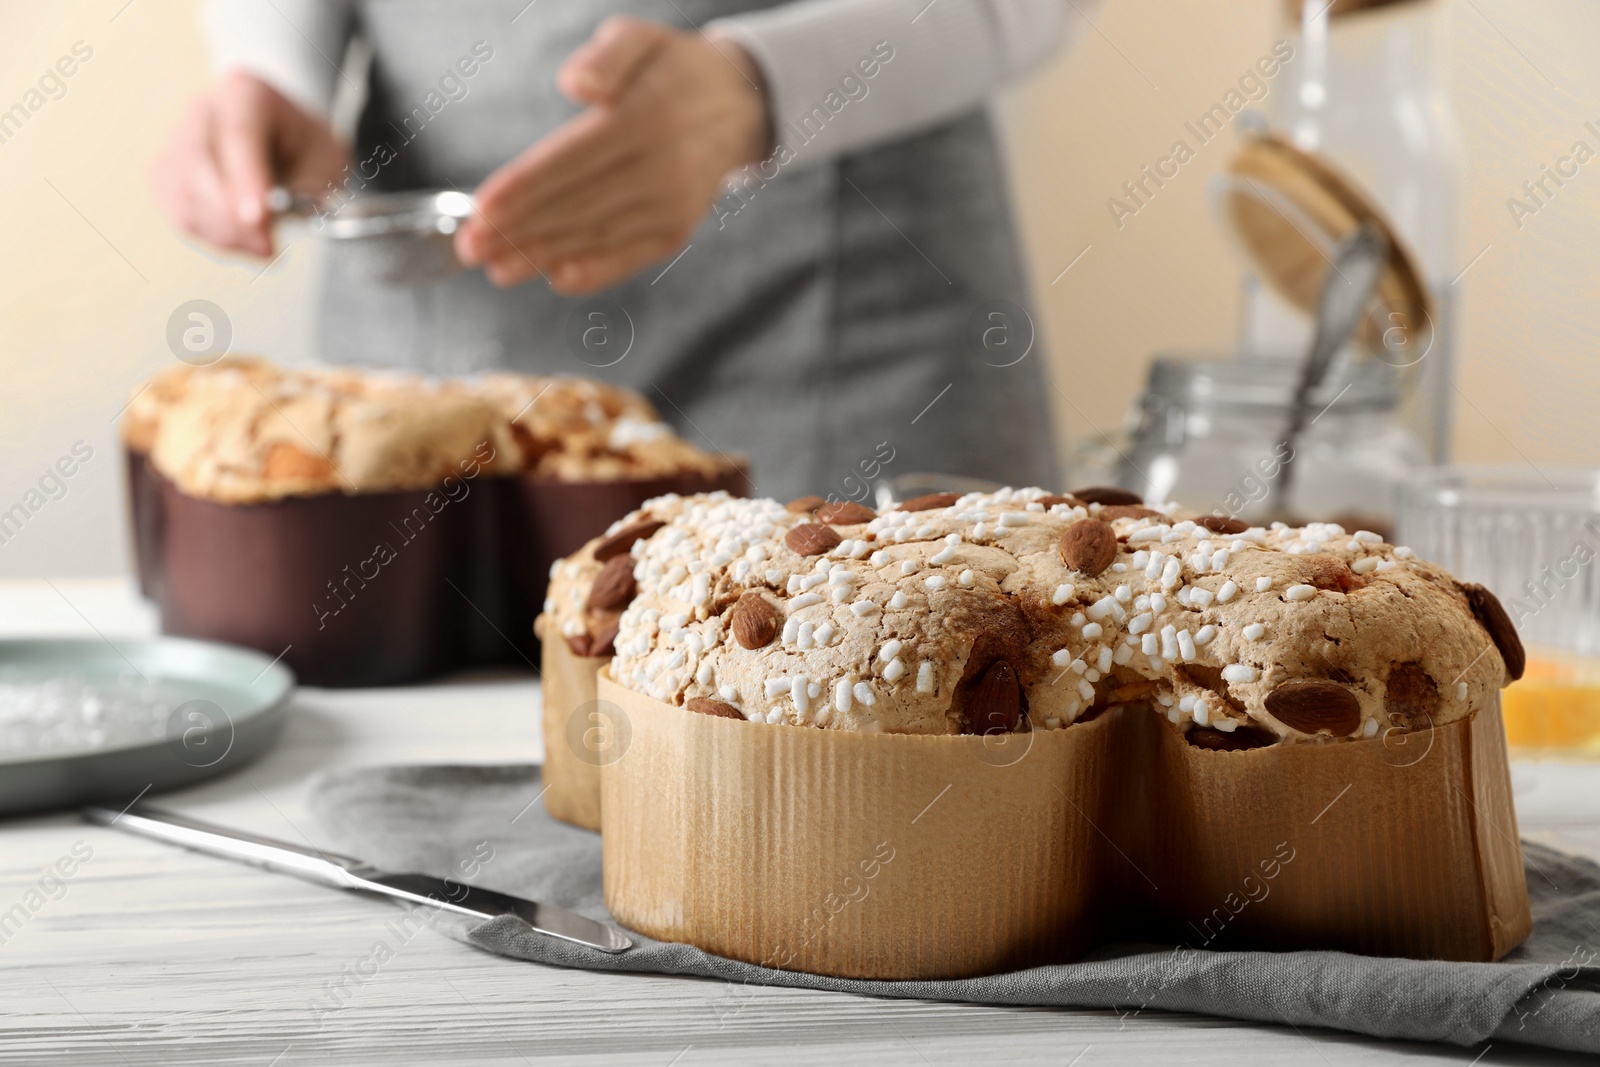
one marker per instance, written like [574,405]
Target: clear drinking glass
[1532,536]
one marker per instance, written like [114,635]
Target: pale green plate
[162,712]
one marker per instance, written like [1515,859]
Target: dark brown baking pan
[546,520]
[351,589]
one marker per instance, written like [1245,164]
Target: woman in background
[785,223]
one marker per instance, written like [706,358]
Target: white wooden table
[156,956]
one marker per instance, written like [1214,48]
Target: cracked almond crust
[245,431]
[1399,634]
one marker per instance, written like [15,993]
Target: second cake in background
[376,527]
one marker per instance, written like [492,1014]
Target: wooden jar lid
[1338,8]
[1289,207]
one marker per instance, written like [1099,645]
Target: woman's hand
[230,148]
[626,182]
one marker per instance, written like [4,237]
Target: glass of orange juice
[1533,537]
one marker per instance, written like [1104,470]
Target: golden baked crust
[575,429]
[240,440]
[151,400]
[897,624]
[243,430]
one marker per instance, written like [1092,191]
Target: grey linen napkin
[484,826]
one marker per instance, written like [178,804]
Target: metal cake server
[343,872]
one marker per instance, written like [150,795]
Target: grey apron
[853,320]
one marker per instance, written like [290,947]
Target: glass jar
[1209,434]
[1368,90]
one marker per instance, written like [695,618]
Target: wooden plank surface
[153,955]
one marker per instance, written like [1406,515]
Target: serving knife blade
[346,872]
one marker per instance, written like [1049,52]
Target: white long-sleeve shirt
[948,55]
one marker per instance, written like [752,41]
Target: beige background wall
[89,272]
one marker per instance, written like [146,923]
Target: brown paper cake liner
[351,590]
[1403,845]
[917,857]
[572,751]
